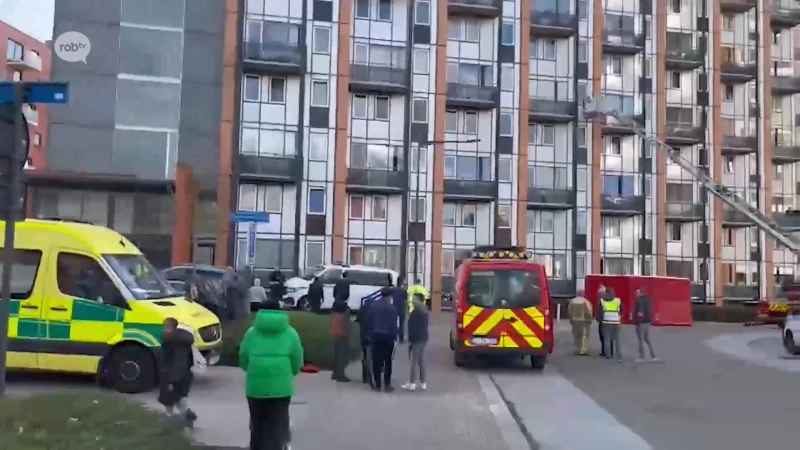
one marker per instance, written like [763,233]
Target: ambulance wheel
[538,362]
[452,344]
[459,359]
[131,369]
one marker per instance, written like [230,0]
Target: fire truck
[501,306]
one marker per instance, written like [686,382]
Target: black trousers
[603,342]
[401,335]
[382,354]
[269,423]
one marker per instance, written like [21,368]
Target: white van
[364,281]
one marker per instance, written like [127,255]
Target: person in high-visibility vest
[611,315]
[416,289]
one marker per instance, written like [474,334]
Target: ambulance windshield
[144,282]
[504,289]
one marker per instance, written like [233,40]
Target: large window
[468,168]
[375,157]
[149,52]
[268,142]
[506,289]
[148,104]
[387,256]
[546,177]
[270,253]
[619,185]
[459,214]
[261,198]
[23,273]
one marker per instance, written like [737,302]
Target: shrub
[85,422]
[314,331]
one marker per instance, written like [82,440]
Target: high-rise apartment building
[27,59]
[403,133]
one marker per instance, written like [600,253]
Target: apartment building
[27,59]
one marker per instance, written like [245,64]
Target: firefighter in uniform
[611,310]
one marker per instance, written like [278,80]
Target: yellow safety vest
[611,310]
[413,290]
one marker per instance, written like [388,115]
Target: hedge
[730,313]
[314,331]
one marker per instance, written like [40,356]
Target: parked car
[791,333]
[203,292]
[364,280]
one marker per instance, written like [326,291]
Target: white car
[791,334]
[364,281]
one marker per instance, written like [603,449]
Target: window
[674,231]
[360,107]
[613,65]
[37,140]
[612,228]
[422,13]
[507,34]
[16,76]
[416,209]
[319,93]
[467,215]
[23,273]
[379,207]
[582,8]
[675,6]
[316,201]
[451,122]
[420,112]
[315,253]
[82,277]
[260,198]
[472,31]
[583,51]
[318,147]
[504,170]
[616,146]
[581,136]
[674,80]
[422,60]
[470,122]
[543,49]
[252,88]
[728,92]
[728,21]
[541,134]
[449,214]
[385,10]
[356,207]
[362,9]
[14,51]
[541,222]
[506,124]
[507,77]
[322,40]
[728,164]
[727,237]
[448,262]
[504,216]
[777,172]
[277,90]
[619,185]
[382,108]
[360,53]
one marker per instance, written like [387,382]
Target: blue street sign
[248,216]
[251,245]
[36,92]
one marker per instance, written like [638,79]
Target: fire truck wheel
[538,362]
[459,359]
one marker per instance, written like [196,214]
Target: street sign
[36,92]
[250,216]
[251,245]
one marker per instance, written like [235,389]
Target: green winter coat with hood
[271,354]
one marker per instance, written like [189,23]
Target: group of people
[609,319]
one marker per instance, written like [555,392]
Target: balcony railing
[472,95]
[733,217]
[484,8]
[369,77]
[785,14]
[683,211]
[683,58]
[548,110]
[738,72]
[274,57]
[785,85]
[553,24]
[684,134]
[270,167]
[29,61]
[621,205]
[376,180]
[739,145]
[479,190]
[737,6]
[545,198]
[622,42]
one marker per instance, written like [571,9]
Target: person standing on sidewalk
[383,333]
[642,317]
[340,332]
[176,375]
[364,331]
[579,311]
[611,315]
[417,339]
[271,355]
[399,299]
[601,293]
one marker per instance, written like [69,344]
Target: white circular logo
[72,47]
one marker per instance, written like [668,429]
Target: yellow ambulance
[85,300]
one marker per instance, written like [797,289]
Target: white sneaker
[409,386]
[423,386]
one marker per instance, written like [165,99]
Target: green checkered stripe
[85,311]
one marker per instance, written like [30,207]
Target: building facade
[28,59]
[403,133]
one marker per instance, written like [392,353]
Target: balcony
[739,145]
[785,85]
[738,72]
[740,292]
[376,181]
[275,168]
[737,6]
[370,78]
[475,190]
[790,220]
[544,198]
[683,59]
[622,42]
[553,24]
[681,134]
[460,95]
[734,219]
[611,205]
[785,14]
[481,8]
[679,211]
[612,127]
[31,115]
[274,58]
[29,62]
[561,288]
[551,111]
[784,151]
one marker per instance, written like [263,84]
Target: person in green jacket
[271,354]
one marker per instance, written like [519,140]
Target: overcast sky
[33,17]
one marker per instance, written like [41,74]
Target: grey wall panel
[104,55]
[91,101]
[102,11]
[148,104]
[160,13]
[202,58]
[202,154]
[207,16]
[75,148]
[201,108]
[152,53]
[141,153]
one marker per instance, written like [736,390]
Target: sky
[32,17]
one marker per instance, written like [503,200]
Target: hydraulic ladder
[727,195]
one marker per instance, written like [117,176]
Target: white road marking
[560,416]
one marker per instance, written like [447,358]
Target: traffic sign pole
[15,178]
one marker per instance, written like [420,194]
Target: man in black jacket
[277,286]
[382,321]
[316,293]
[642,316]
[400,301]
[176,369]
[341,290]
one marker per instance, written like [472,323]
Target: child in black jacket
[176,369]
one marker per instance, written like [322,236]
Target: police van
[364,281]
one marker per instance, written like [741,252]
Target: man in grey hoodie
[642,316]
[417,339]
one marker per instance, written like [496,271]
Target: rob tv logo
[72,47]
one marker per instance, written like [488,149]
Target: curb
[515,437]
